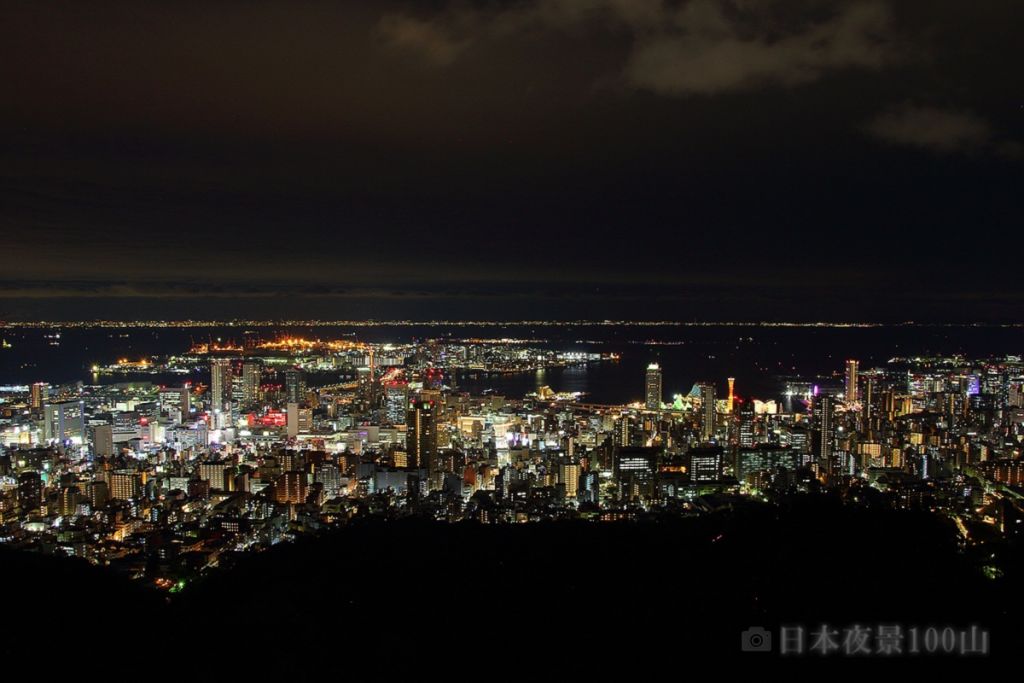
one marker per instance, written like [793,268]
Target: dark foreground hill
[562,597]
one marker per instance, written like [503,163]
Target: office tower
[220,385]
[30,491]
[824,414]
[40,393]
[421,435]
[396,398]
[295,385]
[654,392]
[851,381]
[732,395]
[329,476]
[623,434]
[299,420]
[705,464]
[869,390]
[103,440]
[251,383]
[175,398]
[64,422]
[635,471]
[707,401]
[746,424]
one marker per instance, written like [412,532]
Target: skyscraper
[851,381]
[707,401]
[654,392]
[250,383]
[746,424]
[396,399]
[823,409]
[732,395]
[40,393]
[64,421]
[295,385]
[30,491]
[421,435]
[220,384]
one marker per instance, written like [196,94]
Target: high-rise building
[868,397]
[220,385]
[295,385]
[569,475]
[213,472]
[30,491]
[396,399]
[746,439]
[251,383]
[63,422]
[328,475]
[824,415]
[291,487]
[705,464]
[125,484]
[851,381]
[103,440]
[40,393]
[636,471]
[421,435]
[653,387]
[732,395]
[707,402]
[175,398]
[299,420]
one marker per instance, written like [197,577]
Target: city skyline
[510,338]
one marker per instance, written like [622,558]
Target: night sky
[707,159]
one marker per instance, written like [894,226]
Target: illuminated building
[653,387]
[636,471]
[40,393]
[64,422]
[329,476]
[295,385]
[732,395]
[851,381]
[103,440]
[175,398]
[764,457]
[705,464]
[214,472]
[220,385]
[707,401]
[125,484]
[569,476]
[396,398]
[421,435]
[300,420]
[824,408]
[746,437]
[30,491]
[251,383]
[291,487]
[68,502]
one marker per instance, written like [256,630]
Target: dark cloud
[933,128]
[697,46]
[551,157]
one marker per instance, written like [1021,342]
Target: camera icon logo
[756,639]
